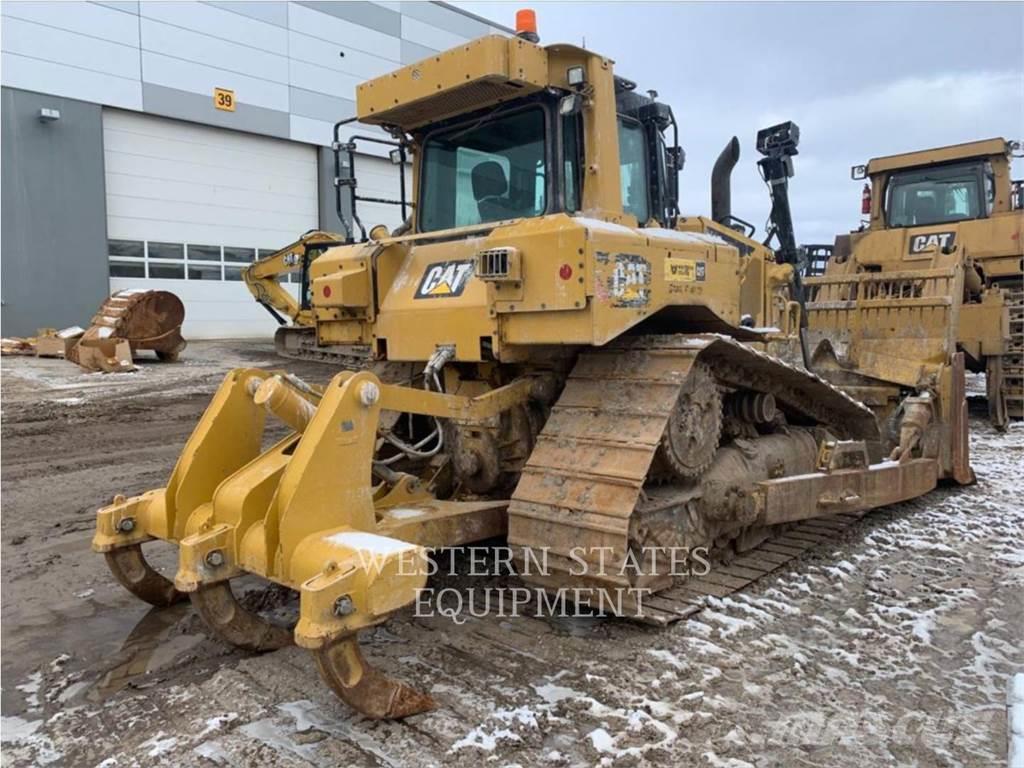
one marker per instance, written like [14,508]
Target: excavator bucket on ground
[144,319]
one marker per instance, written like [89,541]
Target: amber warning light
[526,25]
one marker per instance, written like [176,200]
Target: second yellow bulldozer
[555,355]
[938,268]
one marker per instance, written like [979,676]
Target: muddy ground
[891,645]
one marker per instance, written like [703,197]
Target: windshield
[934,196]
[489,170]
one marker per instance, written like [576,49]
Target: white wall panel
[198,78]
[314,78]
[34,40]
[261,202]
[206,147]
[218,23]
[128,163]
[429,35]
[169,181]
[85,18]
[311,131]
[324,54]
[72,82]
[248,226]
[344,34]
[223,54]
[236,179]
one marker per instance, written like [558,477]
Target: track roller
[365,688]
[230,622]
[130,568]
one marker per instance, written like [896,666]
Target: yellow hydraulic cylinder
[285,402]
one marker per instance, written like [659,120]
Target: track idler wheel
[365,688]
[130,568]
[234,625]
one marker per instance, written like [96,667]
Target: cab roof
[971,149]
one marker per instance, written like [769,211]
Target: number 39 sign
[224,99]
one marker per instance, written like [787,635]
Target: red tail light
[865,200]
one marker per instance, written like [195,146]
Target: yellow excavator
[295,336]
[939,266]
[555,355]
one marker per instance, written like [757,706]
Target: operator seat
[489,188]
[926,211]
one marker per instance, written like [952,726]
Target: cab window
[633,169]
[935,196]
[489,170]
[571,160]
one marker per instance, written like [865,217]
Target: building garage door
[378,177]
[188,206]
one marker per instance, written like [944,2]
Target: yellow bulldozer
[939,267]
[553,354]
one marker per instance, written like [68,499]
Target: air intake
[499,265]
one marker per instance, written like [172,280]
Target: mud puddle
[91,649]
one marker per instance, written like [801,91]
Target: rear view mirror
[675,158]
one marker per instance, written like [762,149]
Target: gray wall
[53,230]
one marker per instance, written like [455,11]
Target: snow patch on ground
[16,729]
[1015,720]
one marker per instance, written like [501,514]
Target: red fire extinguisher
[865,200]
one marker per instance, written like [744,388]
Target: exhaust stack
[721,189]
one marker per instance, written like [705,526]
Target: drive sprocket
[694,427]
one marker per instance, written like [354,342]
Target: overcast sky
[860,79]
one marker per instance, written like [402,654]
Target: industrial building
[168,144]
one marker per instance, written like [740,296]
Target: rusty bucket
[145,319]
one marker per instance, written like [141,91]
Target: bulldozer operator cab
[525,160]
[525,157]
[947,185]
